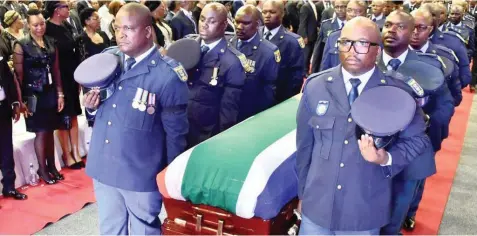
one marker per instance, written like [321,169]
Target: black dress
[65,44]
[36,83]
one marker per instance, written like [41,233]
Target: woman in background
[159,11]
[58,12]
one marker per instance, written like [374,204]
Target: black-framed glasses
[360,46]
[421,28]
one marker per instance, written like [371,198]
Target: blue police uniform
[339,189]
[468,36]
[451,40]
[327,27]
[440,108]
[331,56]
[291,73]
[263,59]
[130,146]
[215,89]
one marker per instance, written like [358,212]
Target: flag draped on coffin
[248,167]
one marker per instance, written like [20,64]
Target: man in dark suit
[344,184]
[173,7]
[327,9]
[411,5]
[293,15]
[198,9]
[10,106]
[308,29]
[73,21]
[377,12]
[439,108]
[183,22]
[131,144]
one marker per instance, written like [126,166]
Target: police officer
[440,108]
[420,41]
[291,73]
[450,40]
[327,27]
[216,86]
[139,130]
[9,109]
[456,24]
[330,53]
[345,183]
[263,60]
[377,12]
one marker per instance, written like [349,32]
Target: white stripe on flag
[175,174]
[262,168]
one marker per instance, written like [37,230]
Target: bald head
[273,12]
[423,14]
[456,14]
[359,45]
[212,22]
[277,4]
[405,17]
[249,10]
[138,11]
[219,9]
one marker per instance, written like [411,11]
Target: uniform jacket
[327,27]
[451,41]
[258,93]
[440,109]
[214,103]
[340,190]
[181,26]
[331,56]
[468,36]
[291,73]
[130,147]
[453,83]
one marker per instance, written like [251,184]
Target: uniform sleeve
[325,60]
[304,144]
[464,69]
[270,74]
[176,27]
[229,105]
[441,116]
[298,63]
[303,27]
[174,100]
[411,143]
[455,86]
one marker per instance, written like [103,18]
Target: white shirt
[167,32]
[273,31]
[364,78]
[106,19]
[423,48]
[250,39]
[387,58]
[142,56]
[191,17]
[314,9]
[441,28]
[378,17]
[211,45]
[340,22]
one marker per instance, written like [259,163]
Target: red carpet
[438,187]
[46,204]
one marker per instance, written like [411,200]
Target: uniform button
[107,141]
[346,142]
[338,187]
[350,120]
[114,105]
[120,88]
[317,126]
[342,165]
[109,123]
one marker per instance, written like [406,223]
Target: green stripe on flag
[218,167]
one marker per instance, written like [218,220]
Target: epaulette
[455,35]
[432,59]
[112,49]
[176,67]
[296,37]
[192,36]
[327,20]
[406,83]
[447,50]
[242,59]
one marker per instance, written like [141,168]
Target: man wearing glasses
[439,108]
[330,52]
[344,187]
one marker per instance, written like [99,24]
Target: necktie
[374,19]
[240,44]
[203,50]
[394,63]
[342,25]
[268,35]
[353,94]
[129,63]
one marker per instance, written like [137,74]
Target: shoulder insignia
[301,42]
[181,73]
[278,57]
[415,87]
[455,35]
[447,50]
[442,62]
[242,59]
[112,49]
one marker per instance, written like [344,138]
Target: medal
[135,103]
[151,107]
[143,102]
[213,82]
